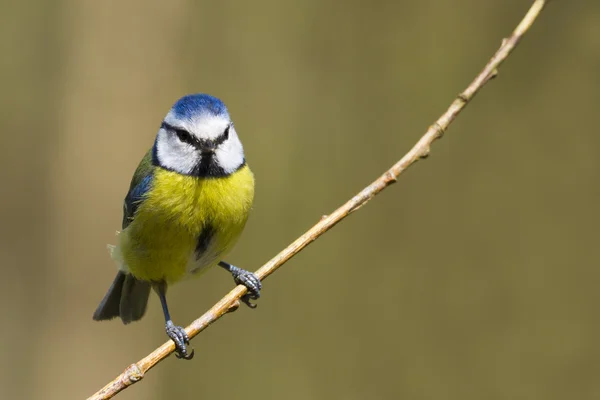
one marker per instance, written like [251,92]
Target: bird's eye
[184,136]
[226,133]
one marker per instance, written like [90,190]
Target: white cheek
[230,155]
[174,155]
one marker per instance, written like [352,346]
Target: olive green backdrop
[475,277]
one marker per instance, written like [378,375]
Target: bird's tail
[127,298]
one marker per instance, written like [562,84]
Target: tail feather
[127,298]
[134,299]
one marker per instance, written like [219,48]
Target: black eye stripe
[182,134]
[223,137]
[186,137]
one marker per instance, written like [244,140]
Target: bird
[187,204]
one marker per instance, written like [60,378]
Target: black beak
[207,147]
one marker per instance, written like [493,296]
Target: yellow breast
[161,242]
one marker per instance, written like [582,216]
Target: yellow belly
[161,242]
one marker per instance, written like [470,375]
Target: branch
[135,372]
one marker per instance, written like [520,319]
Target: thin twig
[135,372]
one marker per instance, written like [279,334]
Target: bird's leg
[246,278]
[176,333]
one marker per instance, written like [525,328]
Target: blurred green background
[475,277]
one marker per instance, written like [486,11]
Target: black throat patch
[208,167]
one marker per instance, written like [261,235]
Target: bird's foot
[181,339]
[252,283]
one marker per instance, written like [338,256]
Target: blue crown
[197,104]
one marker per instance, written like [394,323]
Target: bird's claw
[252,283]
[181,340]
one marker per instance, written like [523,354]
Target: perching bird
[187,204]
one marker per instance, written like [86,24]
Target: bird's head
[197,138]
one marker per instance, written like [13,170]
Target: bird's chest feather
[185,224]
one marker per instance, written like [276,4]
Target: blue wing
[140,185]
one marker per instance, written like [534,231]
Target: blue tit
[187,205]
